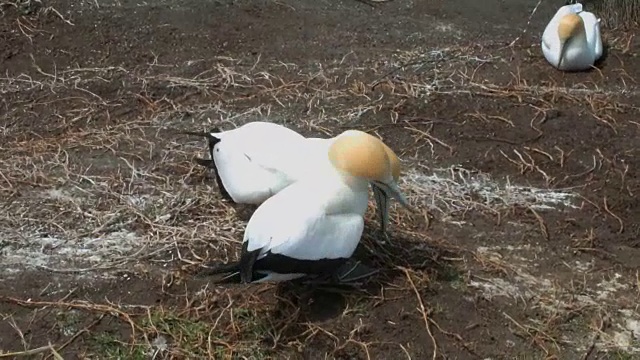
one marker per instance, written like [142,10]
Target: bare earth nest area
[526,245]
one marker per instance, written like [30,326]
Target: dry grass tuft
[618,13]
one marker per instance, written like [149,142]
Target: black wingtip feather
[247,261]
[205,162]
[236,278]
[211,163]
[221,273]
[354,271]
[216,269]
[231,278]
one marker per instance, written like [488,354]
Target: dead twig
[596,336]
[26,352]
[423,311]
[526,27]
[606,208]
[82,305]
[541,223]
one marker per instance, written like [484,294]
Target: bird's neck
[580,39]
[345,193]
[577,41]
[574,51]
[353,182]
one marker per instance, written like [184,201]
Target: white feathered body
[260,159]
[583,51]
[257,160]
[309,220]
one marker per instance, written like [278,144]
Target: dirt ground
[526,245]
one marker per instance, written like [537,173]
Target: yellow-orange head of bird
[394,161]
[570,25]
[362,155]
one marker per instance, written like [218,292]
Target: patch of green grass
[253,327]
[448,273]
[452,275]
[527,357]
[184,336]
[108,346]
[67,321]
[359,308]
[622,355]
[190,337]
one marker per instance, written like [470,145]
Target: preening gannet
[381,197]
[571,41]
[255,161]
[313,226]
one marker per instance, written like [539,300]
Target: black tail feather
[230,278]
[234,278]
[205,162]
[230,273]
[210,163]
[354,271]
[205,134]
[216,269]
[349,273]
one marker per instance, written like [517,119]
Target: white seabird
[313,226]
[572,41]
[257,160]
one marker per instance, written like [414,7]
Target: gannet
[257,160]
[312,227]
[320,147]
[571,41]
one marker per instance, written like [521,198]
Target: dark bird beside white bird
[257,160]
[312,227]
[572,41]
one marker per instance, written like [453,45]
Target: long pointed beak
[212,140]
[207,134]
[563,50]
[394,191]
[194,133]
[382,205]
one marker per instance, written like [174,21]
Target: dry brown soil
[525,246]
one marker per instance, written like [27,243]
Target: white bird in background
[313,226]
[571,41]
[257,160]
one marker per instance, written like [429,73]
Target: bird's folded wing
[284,158]
[242,178]
[268,145]
[327,237]
[305,234]
[592,27]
